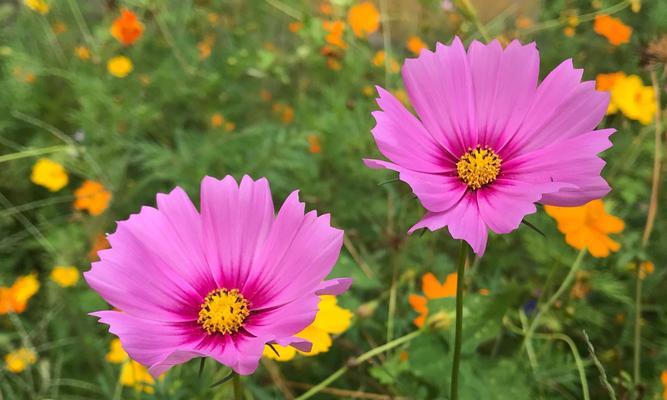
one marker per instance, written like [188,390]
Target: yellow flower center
[478,167]
[223,311]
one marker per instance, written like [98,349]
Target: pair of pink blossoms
[224,281]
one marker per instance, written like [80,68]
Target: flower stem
[636,364]
[356,361]
[563,287]
[454,386]
[238,389]
[34,152]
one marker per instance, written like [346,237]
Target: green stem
[356,361]
[33,152]
[563,287]
[636,370]
[475,19]
[238,388]
[463,255]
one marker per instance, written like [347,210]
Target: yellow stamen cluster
[478,167]
[223,311]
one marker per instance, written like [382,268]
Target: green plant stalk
[475,19]
[33,152]
[454,385]
[356,361]
[238,388]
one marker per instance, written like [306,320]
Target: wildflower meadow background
[103,104]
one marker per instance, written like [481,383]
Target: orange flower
[613,29]
[334,64]
[432,290]
[335,31]
[217,120]
[295,26]
[127,29]
[82,52]
[415,44]
[569,31]
[364,19]
[663,378]
[645,269]
[59,27]
[588,226]
[100,243]
[379,60]
[205,46]
[325,8]
[15,298]
[523,22]
[285,112]
[314,143]
[92,196]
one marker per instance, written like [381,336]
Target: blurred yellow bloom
[646,268]
[415,44]
[588,226]
[18,360]
[368,91]
[635,100]
[401,96]
[49,174]
[40,6]
[432,290]
[331,319]
[379,60]
[569,31]
[82,52]
[116,354]
[136,375]
[605,82]
[635,5]
[613,29]
[119,66]
[92,196]
[364,18]
[15,298]
[65,276]
[573,20]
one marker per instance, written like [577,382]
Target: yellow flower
[136,375]
[432,290]
[65,276]
[40,6]
[364,18]
[379,60]
[116,354]
[635,100]
[415,44]
[331,319]
[119,66]
[82,52]
[645,269]
[588,226]
[92,196]
[15,298]
[635,5]
[49,174]
[368,91]
[18,360]
[605,82]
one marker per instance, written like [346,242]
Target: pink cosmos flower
[218,283]
[490,142]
